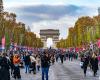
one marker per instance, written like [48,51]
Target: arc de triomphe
[49,33]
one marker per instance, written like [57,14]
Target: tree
[17,32]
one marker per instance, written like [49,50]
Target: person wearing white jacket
[32,58]
[38,63]
[33,63]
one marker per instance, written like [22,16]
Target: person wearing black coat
[62,58]
[27,62]
[45,64]
[85,64]
[0,66]
[12,65]
[94,64]
[4,68]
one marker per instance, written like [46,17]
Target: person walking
[16,62]
[94,63]
[53,59]
[38,62]
[85,64]
[69,55]
[57,56]
[12,65]
[4,67]
[33,63]
[27,62]
[62,57]
[45,64]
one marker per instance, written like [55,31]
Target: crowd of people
[40,61]
[90,59]
[87,57]
[12,62]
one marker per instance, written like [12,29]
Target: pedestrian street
[69,70]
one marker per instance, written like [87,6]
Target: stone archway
[49,33]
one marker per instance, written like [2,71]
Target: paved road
[67,71]
[72,71]
[37,76]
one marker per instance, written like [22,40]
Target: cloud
[12,3]
[52,16]
[38,13]
[62,24]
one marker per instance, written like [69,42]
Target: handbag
[81,64]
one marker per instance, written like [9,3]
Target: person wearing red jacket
[16,62]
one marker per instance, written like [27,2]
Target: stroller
[32,67]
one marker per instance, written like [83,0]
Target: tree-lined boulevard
[23,55]
[85,30]
[16,32]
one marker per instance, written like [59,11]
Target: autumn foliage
[16,32]
[85,30]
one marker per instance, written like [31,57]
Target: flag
[3,42]
[77,49]
[98,43]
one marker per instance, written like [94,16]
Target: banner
[3,42]
[77,49]
[98,43]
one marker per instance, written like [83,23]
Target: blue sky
[52,14]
